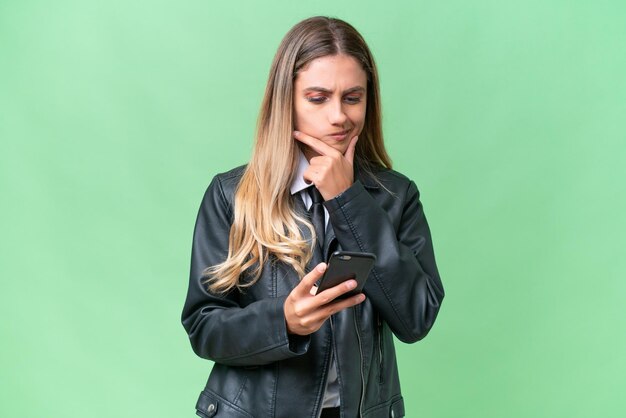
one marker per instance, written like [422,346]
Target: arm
[406,289]
[219,328]
[404,285]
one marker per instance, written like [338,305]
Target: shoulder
[391,176]
[229,180]
[388,180]
[220,193]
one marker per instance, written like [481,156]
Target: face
[330,100]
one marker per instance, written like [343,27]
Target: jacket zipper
[380,349]
[358,335]
[333,354]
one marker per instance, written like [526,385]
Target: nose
[336,113]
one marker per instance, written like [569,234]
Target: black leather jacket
[260,370]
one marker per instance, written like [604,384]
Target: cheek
[358,117]
[307,120]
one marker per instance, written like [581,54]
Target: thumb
[351,149]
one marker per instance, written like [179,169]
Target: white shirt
[331,396]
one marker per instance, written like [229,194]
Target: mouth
[340,136]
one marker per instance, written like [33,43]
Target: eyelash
[322,99]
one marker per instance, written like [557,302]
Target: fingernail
[361,297]
[321,267]
[351,284]
[296,133]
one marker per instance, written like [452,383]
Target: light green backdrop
[509,115]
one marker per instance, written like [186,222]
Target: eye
[352,99]
[316,99]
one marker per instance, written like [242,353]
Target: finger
[307,282]
[321,162]
[318,167]
[310,175]
[315,144]
[312,304]
[350,151]
[331,294]
[332,308]
[315,172]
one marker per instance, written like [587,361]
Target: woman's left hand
[331,171]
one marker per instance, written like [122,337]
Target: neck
[308,152]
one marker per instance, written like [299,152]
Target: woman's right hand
[306,311]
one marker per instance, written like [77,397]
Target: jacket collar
[364,176]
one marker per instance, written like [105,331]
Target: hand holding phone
[306,312]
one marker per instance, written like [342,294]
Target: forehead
[332,72]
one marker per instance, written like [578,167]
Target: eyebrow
[327,91]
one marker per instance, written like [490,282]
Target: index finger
[315,144]
[351,149]
[334,292]
[304,287]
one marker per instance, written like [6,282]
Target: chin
[335,145]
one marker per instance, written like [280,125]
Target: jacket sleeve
[404,286]
[219,328]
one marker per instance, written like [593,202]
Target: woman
[280,349]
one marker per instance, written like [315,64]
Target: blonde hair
[265,221]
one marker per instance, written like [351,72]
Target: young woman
[280,348]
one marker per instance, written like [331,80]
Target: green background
[509,115]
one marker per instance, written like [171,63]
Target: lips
[339,135]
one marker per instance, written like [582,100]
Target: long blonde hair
[265,221]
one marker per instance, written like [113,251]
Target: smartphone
[344,265]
